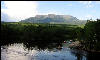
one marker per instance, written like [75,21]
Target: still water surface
[19,52]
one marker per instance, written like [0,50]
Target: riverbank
[77,45]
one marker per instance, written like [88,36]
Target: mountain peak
[53,18]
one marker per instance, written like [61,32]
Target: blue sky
[17,11]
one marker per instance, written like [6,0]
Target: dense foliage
[91,35]
[36,34]
[45,35]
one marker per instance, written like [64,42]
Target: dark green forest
[91,35]
[45,34]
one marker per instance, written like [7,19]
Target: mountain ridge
[52,18]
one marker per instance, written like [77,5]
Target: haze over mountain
[52,18]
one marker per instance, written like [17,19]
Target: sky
[14,11]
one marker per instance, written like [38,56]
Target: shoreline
[76,45]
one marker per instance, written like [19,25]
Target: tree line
[44,35]
[90,36]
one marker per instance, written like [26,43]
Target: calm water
[19,52]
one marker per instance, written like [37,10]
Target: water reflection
[93,56]
[42,46]
[79,54]
[19,52]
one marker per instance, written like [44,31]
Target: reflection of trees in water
[93,56]
[85,55]
[78,54]
[42,45]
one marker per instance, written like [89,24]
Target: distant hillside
[54,19]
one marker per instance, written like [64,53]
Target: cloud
[20,10]
[98,2]
[89,16]
[5,17]
[50,12]
[86,17]
[87,3]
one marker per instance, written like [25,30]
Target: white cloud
[86,17]
[98,2]
[50,12]
[87,3]
[4,17]
[20,10]
[89,16]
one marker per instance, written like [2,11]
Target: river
[19,52]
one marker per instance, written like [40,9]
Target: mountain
[54,19]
